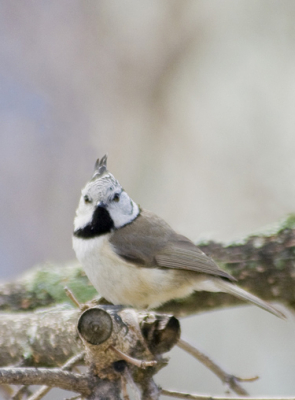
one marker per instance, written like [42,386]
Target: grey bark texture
[118,343]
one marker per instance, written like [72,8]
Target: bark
[118,343]
[43,376]
[47,338]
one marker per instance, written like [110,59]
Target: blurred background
[193,100]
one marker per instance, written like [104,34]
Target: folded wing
[150,242]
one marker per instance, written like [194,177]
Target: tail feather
[227,287]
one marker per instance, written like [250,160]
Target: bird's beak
[101,204]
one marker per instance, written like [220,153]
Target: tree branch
[46,338]
[262,264]
[54,377]
[119,343]
[189,396]
[228,379]
[66,367]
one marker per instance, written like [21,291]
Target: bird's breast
[121,282]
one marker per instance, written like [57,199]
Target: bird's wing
[140,240]
[181,253]
[150,242]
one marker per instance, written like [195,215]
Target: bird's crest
[100,167]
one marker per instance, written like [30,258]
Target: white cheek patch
[120,218]
[81,221]
[83,215]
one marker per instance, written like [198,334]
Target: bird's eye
[87,199]
[116,197]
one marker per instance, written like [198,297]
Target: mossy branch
[263,263]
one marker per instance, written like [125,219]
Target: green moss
[288,222]
[267,231]
[279,264]
[229,268]
[203,242]
[274,229]
[237,242]
[252,265]
[50,279]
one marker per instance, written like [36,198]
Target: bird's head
[104,205]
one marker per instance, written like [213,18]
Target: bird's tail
[227,287]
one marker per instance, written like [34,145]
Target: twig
[253,379]
[134,361]
[124,388]
[229,379]
[6,391]
[67,366]
[50,377]
[74,398]
[180,395]
[24,390]
[73,361]
[71,296]
[132,384]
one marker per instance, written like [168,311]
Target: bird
[134,258]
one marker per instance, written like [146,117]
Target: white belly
[124,283]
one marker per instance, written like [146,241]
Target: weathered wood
[112,337]
[48,338]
